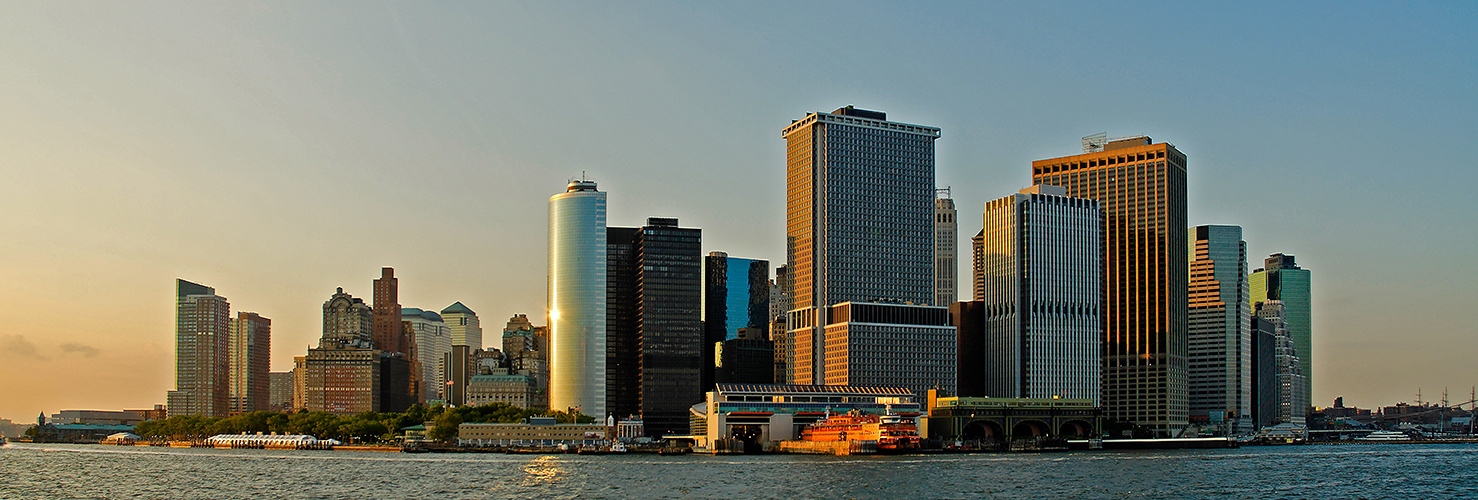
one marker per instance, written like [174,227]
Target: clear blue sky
[277,151]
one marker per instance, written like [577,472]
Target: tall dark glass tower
[660,333]
[736,296]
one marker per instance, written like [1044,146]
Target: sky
[276,151]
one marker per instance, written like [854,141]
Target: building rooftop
[816,389]
[457,308]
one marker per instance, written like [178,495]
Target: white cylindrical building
[577,299]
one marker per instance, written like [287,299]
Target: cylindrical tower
[577,299]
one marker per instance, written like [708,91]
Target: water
[1403,471]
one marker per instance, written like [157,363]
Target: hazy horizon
[276,152]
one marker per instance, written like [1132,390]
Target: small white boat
[1385,436]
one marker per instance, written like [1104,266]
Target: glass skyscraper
[736,295]
[577,299]
[1281,279]
[1220,323]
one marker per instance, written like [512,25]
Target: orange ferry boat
[892,432]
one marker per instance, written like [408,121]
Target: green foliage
[369,427]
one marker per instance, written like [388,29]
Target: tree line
[367,427]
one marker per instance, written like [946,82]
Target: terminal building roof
[813,389]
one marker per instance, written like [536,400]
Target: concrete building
[1041,265]
[251,351]
[465,328]
[516,390]
[762,415]
[280,391]
[346,374]
[885,344]
[347,322]
[1220,324]
[1283,280]
[1141,188]
[202,352]
[736,296]
[655,338]
[577,299]
[946,250]
[979,420]
[534,430]
[1291,386]
[433,340]
[860,212]
[457,371]
[97,417]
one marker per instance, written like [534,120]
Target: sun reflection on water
[543,470]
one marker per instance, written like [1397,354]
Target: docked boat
[892,433]
[1384,436]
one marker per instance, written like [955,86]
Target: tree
[445,428]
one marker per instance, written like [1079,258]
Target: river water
[1404,471]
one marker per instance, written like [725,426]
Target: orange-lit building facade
[1141,188]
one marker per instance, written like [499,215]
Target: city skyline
[262,150]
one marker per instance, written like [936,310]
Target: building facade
[341,380]
[661,334]
[946,250]
[1219,352]
[749,358]
[280,391]
[1140,186]
[1041,265]
[736,296]
[1265,392]
[433,340]
[859,207]
[577,299]
[251,351]
[202,352]
[1283,280]
[386,318]
[894,345]
[463,324]
[1291,387]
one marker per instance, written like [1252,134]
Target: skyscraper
[1220,324]
[1281,279]
[1141,188]
[946,250]
[251,348]
[343,374]
[656,347]
[464,325]
[1291,386]
[1041,258]
[202,352]
[433,339]
[736,295]
[859,206]
[859,188]
[387,321]
[577,299]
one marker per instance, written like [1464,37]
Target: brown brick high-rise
[387,322]
[1141,188]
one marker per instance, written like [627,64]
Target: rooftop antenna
[1094,143]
